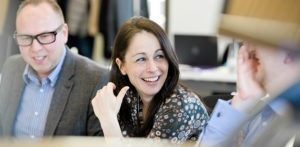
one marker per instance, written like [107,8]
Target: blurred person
[263,72]
[143,97]
[287,130]
[267,66]
[46,91]
[78,17]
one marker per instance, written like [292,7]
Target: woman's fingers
[105,99]
[120,97]
[109,88]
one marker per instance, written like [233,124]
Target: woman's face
[145,65]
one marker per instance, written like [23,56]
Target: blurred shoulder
[14,62]
[14,59]
[88,64]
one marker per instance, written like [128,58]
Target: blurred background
[207,58]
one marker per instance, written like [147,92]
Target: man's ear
[120,65]
[288,57]
[65,32]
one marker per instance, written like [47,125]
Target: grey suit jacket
[70,112]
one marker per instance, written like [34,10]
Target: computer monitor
[199,51]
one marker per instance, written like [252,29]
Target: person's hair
[121,43]
[54,5]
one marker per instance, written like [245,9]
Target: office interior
[188,18]
[192,18]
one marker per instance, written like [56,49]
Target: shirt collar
[278,106]
[30,75]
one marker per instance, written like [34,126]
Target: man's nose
[36,46]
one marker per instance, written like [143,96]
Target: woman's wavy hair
[122,40]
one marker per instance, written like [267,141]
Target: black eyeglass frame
[54,33]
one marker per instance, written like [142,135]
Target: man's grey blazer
[71,112]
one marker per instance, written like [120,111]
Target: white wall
[196,17]
[157,11]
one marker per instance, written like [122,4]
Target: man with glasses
[46,91]
[42,38]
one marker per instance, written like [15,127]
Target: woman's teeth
[151,79]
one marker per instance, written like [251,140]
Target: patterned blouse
[181,117]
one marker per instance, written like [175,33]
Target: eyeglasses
[43,38]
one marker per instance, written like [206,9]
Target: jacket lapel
[61,94]
[12,108]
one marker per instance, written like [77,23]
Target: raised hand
[249,88]
[106,107]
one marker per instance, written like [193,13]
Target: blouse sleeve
[179,119]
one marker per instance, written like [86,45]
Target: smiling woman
[144,98]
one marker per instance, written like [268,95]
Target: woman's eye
[160,56]
[140,59]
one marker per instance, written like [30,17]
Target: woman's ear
[120,65]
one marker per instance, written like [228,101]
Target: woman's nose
[151,66]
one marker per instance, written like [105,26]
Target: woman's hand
[106,107]
[249,88]
[105,103]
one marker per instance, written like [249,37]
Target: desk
[206,82]
[82,141]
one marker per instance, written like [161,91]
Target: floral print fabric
[181,117]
